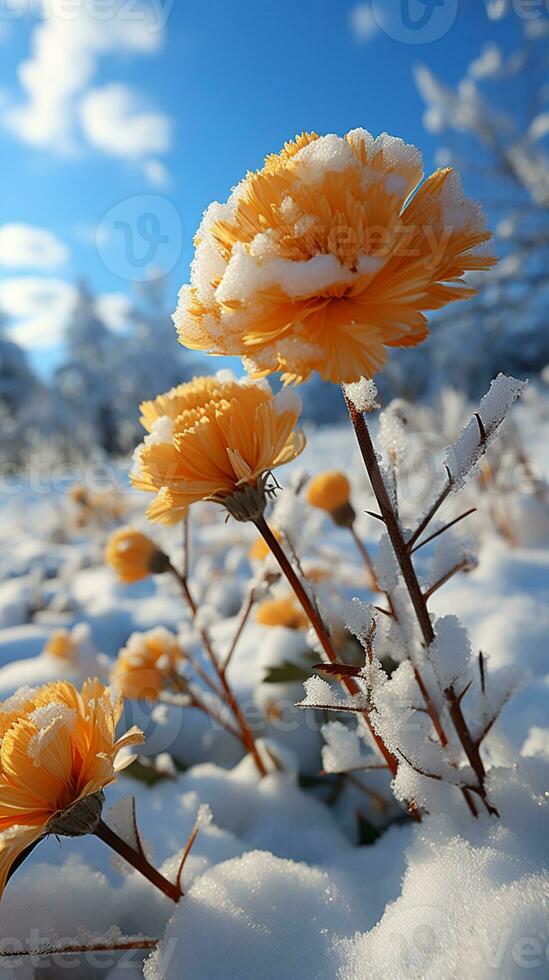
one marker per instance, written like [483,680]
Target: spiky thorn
[378,517]
[366,768]
[338,670]
[386,612]
[491,722]
[441,530]
[188,848]
[461,566]
[481,429]
[421,772]
[482,671]
[437,503]
[332,707]
[135,829]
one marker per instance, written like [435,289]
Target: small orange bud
[134,556]
[331,491]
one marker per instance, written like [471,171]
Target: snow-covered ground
[298,875]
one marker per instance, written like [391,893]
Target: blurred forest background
[493,126]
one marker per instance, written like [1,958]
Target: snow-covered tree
[147,359]
[18,389]
[84,382]
[495,124]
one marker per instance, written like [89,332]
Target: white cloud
[39,308]
[66,47]
[115,310]
[114,121]
[25,247]
[363,23]
[156,173]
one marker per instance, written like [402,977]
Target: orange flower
[331,491]
[147,664]
[323,259]
[282,612]
[190,395]
[222,449]
[58,752]
[133,555]
[60,645]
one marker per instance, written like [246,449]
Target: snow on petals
[323,258]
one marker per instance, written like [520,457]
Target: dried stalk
[321,631]
[225,689]
[138,861]
[418,599]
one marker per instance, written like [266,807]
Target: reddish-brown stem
[460,567]
[366,558]
[430,707]
[391,523]
[227,692]
[244,616]
[22,857]
[320,630]
[188,848]
[402,551]
[137,861]
[470,746]
[430,513]
[441,530]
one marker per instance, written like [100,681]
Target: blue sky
[93,114]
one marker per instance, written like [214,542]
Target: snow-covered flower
[133,555]
[331,491]
[58,752]
[189,395]
[283,611]
[323,258]
[147,665]
[221,450]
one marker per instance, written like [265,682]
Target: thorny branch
[403,550]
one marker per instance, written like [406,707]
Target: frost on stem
[434,759]
[320,694]
[394,432]
[359,617]
[451,554]
[463,456]
[122,819]
[363,394]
